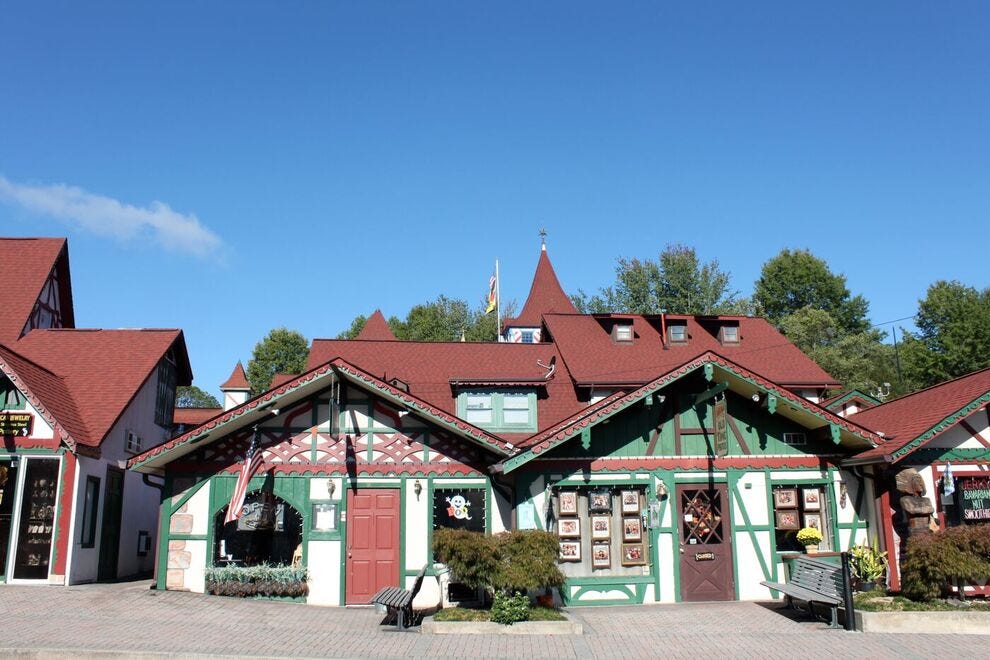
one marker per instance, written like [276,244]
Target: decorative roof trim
[59,431]
[941,427]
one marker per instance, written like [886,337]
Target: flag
[236,506]
[492,294]
[948,483]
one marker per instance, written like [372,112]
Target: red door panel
[372,543]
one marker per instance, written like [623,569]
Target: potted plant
[809,537]
[868,565]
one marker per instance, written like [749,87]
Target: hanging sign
[721,434]
[974,498]
[16,424]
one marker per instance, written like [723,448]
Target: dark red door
[706,548]
[372,543]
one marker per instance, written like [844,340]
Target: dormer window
[498,410]
[730,334]
[622,332]
[677,333]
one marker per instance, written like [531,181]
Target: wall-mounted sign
[459,508]
[16,424]
[721,434]
[704,556]
[974,498]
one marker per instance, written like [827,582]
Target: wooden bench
[813,581]
[399,600]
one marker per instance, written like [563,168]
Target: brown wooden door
[113,503]
[706,548]
[372,543]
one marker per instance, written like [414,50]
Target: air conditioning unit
[133,443]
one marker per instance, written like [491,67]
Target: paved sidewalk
[130,620]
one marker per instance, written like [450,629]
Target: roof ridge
[32,362]
[929,388]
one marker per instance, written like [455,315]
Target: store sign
[974,498]
[721,434]
[459,508]
[16,424]
[704,556]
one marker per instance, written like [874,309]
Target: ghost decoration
[457,507]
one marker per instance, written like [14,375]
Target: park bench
[399,600]
[813,581]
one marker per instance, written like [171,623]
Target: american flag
[249,467]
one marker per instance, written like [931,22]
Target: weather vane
[543,237]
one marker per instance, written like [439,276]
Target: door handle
[682,551]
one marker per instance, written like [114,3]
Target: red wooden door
[372,543]
[706,548]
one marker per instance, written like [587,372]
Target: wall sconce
[417,488]
[331,487]
[661,491]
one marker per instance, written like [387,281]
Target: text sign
[16,424]
[974,497]
[704,556]
[721,434]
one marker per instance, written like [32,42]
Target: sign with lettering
[721,434]
[704,556]
[974,498]
[15,423]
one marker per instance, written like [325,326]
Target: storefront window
[92,501]
[34,538]
[796,507]
[269,531]
[459,508]
[603,531]
[969,503]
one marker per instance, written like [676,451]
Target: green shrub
[510,609]
[470,555]
[261,580]
[933,561]
[528,561]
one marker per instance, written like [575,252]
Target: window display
[796,507]
[34,539]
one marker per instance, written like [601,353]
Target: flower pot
[811,549]
[867,585]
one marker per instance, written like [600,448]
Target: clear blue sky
[231,168]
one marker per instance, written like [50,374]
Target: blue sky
[229,168]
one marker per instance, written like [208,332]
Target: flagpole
[498,305]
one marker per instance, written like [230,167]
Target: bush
[510,609]
[264,580]
[512,562]
[933,561]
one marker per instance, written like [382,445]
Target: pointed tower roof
[546,296]
[238,379]
[376,328]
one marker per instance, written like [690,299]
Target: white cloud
[107,216]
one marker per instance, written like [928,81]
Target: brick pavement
[131,620]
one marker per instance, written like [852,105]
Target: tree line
[796,291]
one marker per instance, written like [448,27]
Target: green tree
[443,319]
[676,283]
[190,396]
[858,360]
[796,279]
[953,335]
[281,351]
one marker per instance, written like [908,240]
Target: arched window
[269,531]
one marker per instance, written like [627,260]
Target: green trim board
[944,425]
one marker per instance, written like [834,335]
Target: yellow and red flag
[492,294]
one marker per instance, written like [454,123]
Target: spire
[546,296]
[236,390]
[376,328]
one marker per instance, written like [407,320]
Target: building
[943,432]
[675,456]
[74,405]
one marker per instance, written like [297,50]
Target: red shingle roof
[238,379]
[281,379]
[100,372]
[46,391]
[189,416]
[594,358]
[913,416]
[546,296]
[25,265]
[376,328]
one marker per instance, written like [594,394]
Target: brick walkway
[130,619]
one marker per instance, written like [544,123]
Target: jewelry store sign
[16,424]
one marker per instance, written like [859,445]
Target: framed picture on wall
[813,520]
[788,519]
[633,554]
[601,555]
[630,501]
[785,498]
[570,551]
[568,502]
[601,528]
[599,501]
[812,499]
[632,529]
[569,528]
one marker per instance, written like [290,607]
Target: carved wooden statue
[917,508]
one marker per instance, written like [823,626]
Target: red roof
[376,328]
[190,416]
[281,379]
[87,378]
[912,416]
[594,358]
[429,367]
[25,266]
[238,379]
[546,296]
